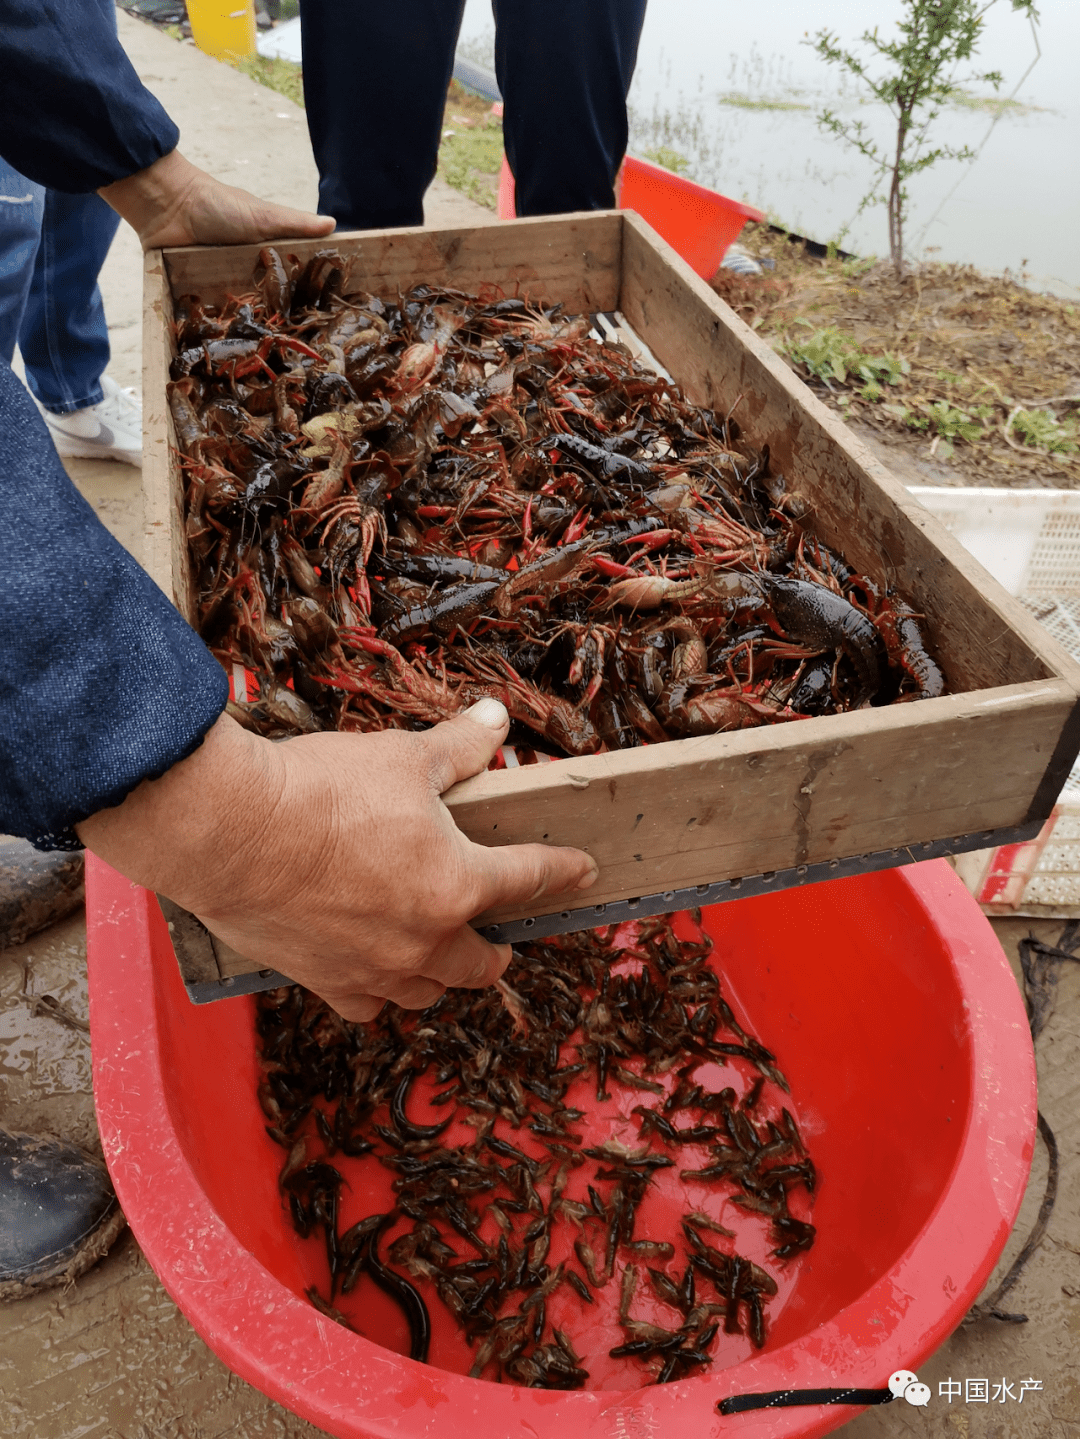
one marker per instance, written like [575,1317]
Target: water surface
[735,90]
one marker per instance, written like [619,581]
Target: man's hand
[173,202]
[332,858]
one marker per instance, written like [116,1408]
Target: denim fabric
[102,684]
[52,247]
[22,209]
[73,113]
[375,78]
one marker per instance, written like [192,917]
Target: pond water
[735,90]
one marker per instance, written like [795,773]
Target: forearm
[74,116]
[332,858]
[73,113]
[144,197]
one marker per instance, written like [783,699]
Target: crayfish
[578,1142]
[483,499]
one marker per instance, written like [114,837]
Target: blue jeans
[52,248]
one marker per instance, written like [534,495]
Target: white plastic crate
[1029,540]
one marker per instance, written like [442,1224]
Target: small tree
[936,37]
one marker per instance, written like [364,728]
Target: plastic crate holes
[1054,567]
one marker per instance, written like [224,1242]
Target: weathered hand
[173,202]
[332,858]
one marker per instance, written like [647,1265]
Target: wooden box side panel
[573,258]
[725,806]
[165,551]
[983,638]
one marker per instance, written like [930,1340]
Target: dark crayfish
[477,1224]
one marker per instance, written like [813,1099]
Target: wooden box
[990,756]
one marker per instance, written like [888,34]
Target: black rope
[790,1398]
[989,1308]
[1041,966]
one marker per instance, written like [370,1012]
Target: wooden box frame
[990,756]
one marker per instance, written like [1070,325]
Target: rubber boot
[58,1213]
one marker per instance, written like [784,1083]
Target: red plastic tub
[699,223]
[897,1021]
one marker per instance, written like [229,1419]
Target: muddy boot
[36,888]
[58,1213]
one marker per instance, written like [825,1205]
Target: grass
[668,158]
[952,424]
[742,101]
[994,105]
[834,357]
[829,354]
[471,161]
[470,155]
[1042,431]
[276,74]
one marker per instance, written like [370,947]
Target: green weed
[853,268]
[741,101]
[951,424]
[830,354]
[1040,430]
[470,160]
[995,105]
[276,74]
[668,158]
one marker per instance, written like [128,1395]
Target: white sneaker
[109,430]
[740,261]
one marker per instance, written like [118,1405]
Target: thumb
[521,873]
[281,222]
[465,745]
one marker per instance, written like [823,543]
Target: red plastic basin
[895,1016]
[699,223]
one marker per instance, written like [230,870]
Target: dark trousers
[375,80]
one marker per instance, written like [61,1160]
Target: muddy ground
[954,376]
[113,1358]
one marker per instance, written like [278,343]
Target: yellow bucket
[223,28]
